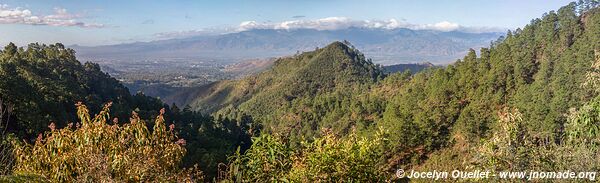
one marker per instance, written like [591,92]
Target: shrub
[93,150]
[325,159]
[268,159]
[511,148]
[333,159]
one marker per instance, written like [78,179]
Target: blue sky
[117,21]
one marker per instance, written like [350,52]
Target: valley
[364,101]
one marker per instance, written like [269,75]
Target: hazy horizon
[113,22]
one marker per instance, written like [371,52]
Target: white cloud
[247,25]
[335,23]
[329,23]
[440,26]
[60,17]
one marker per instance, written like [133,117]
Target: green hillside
[40,86]
[529,101]
[540,71]
[295,93]
[441,117]
[43,82]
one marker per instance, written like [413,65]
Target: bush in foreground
[325,159]
[96,151]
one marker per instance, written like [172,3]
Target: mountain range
[384,46]
[529,101]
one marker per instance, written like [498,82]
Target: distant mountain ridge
[383,45]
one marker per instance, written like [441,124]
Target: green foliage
[43,81]
[326,159]
[413,68]
[94,150]
[580,146]
[582,125]
[548,133]
[210,141]
[539,70]
[300,94]
[512,148]
[533,77]
[268,159]
[39,84]
[528,70]
[331,159]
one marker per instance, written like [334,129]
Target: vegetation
[530,101]
[533,82]
[299,95]
[326,159]
[42,82]
[512,148]
[441,114]
[96,151]
[39,85]
[414,68]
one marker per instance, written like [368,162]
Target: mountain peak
[338,44]
[336,67]
[336,57]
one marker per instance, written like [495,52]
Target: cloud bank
[330,23]
[60,17]
[335,23]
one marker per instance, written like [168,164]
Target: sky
[122,21]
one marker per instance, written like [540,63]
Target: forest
[528,101]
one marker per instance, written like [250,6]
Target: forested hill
[534,69]
[43,82]
[537,73]
[530,101]
[540,71]
[40,85]
[279,93]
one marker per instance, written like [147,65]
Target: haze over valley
[198,60]
[384,46]
[299,91]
